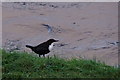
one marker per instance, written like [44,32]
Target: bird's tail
[28,46]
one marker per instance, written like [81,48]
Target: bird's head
[52,40]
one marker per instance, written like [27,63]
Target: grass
[23,65]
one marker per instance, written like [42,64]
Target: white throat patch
[51,46]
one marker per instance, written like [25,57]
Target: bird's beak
[56,40]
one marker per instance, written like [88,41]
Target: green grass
[23,65]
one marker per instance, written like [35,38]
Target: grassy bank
[24,65]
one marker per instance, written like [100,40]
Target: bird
[43,48]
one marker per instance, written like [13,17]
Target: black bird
[43,48]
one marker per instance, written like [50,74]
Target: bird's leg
[44,55]
[48,57]
[39,55]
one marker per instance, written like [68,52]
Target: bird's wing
[42,46]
